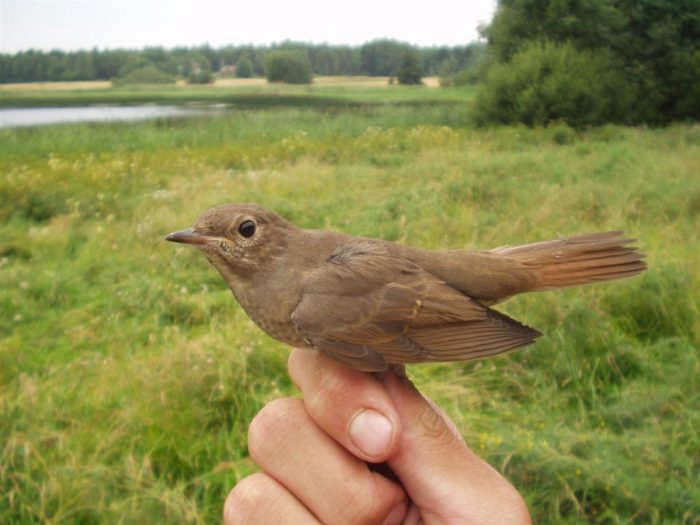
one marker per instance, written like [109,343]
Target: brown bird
[371,303]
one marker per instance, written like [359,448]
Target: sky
[133,24]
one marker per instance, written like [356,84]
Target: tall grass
[128,374]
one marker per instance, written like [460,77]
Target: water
[22,117]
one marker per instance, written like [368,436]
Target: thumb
[444,478]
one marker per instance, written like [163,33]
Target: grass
[338,81]
[128,374]
[325,91]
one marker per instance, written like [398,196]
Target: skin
[315,455]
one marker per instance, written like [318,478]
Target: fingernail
[371,432]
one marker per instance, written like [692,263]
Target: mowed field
[236,92]
[345,81]
[128,374]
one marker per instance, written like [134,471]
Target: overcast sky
[84,24]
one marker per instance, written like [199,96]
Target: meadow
[239,92]
[128,374]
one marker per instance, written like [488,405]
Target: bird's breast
[269,302]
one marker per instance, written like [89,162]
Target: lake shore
[250,92]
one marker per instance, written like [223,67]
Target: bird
[373,304]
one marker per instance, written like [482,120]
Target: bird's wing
[368,308]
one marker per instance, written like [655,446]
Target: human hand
[318,458]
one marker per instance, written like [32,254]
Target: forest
[376,58]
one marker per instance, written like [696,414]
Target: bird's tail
[582,259]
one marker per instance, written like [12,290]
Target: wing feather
[369,308]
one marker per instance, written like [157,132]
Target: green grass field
[128,374]
[324,92]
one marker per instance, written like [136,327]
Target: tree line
[376,58]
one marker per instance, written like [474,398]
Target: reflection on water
[12,118]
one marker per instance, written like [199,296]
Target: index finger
[350,406]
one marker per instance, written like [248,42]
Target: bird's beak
[188,236]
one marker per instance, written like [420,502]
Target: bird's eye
[247,229]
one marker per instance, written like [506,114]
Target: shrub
[547,82]
[465,77]
[149,74]
[132,64]
[244,67]
[291,67]
[470,73]
[201,76]
[199,70]
[655,42]
[410,71]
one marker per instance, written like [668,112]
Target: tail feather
[577,260]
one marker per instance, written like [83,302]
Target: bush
[244,67]
[291,67]
[132,64]
[470,73]
[201,76]
[547,82]
[198,68]
[149,74]
[655,42]
[410,71]
[466,77]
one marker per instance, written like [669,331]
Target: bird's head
[237,238]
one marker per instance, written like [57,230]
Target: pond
[23,117]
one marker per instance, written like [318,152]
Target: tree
[289,66]
[462,66]
[410,71]
[325,63]
[548,82]
[382,57]
[244,67]
[655,43]
[198,69]
[589,24]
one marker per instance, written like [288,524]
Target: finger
[334,485]
[261,499]
[349,405]
[440,472]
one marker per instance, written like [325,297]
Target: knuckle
[273,423]
[327,392]
[434,428]
[330,394]
[246,499]
[366,503]
[360,507]
[519,514]
[330,383]
[503,505]
[294,364]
